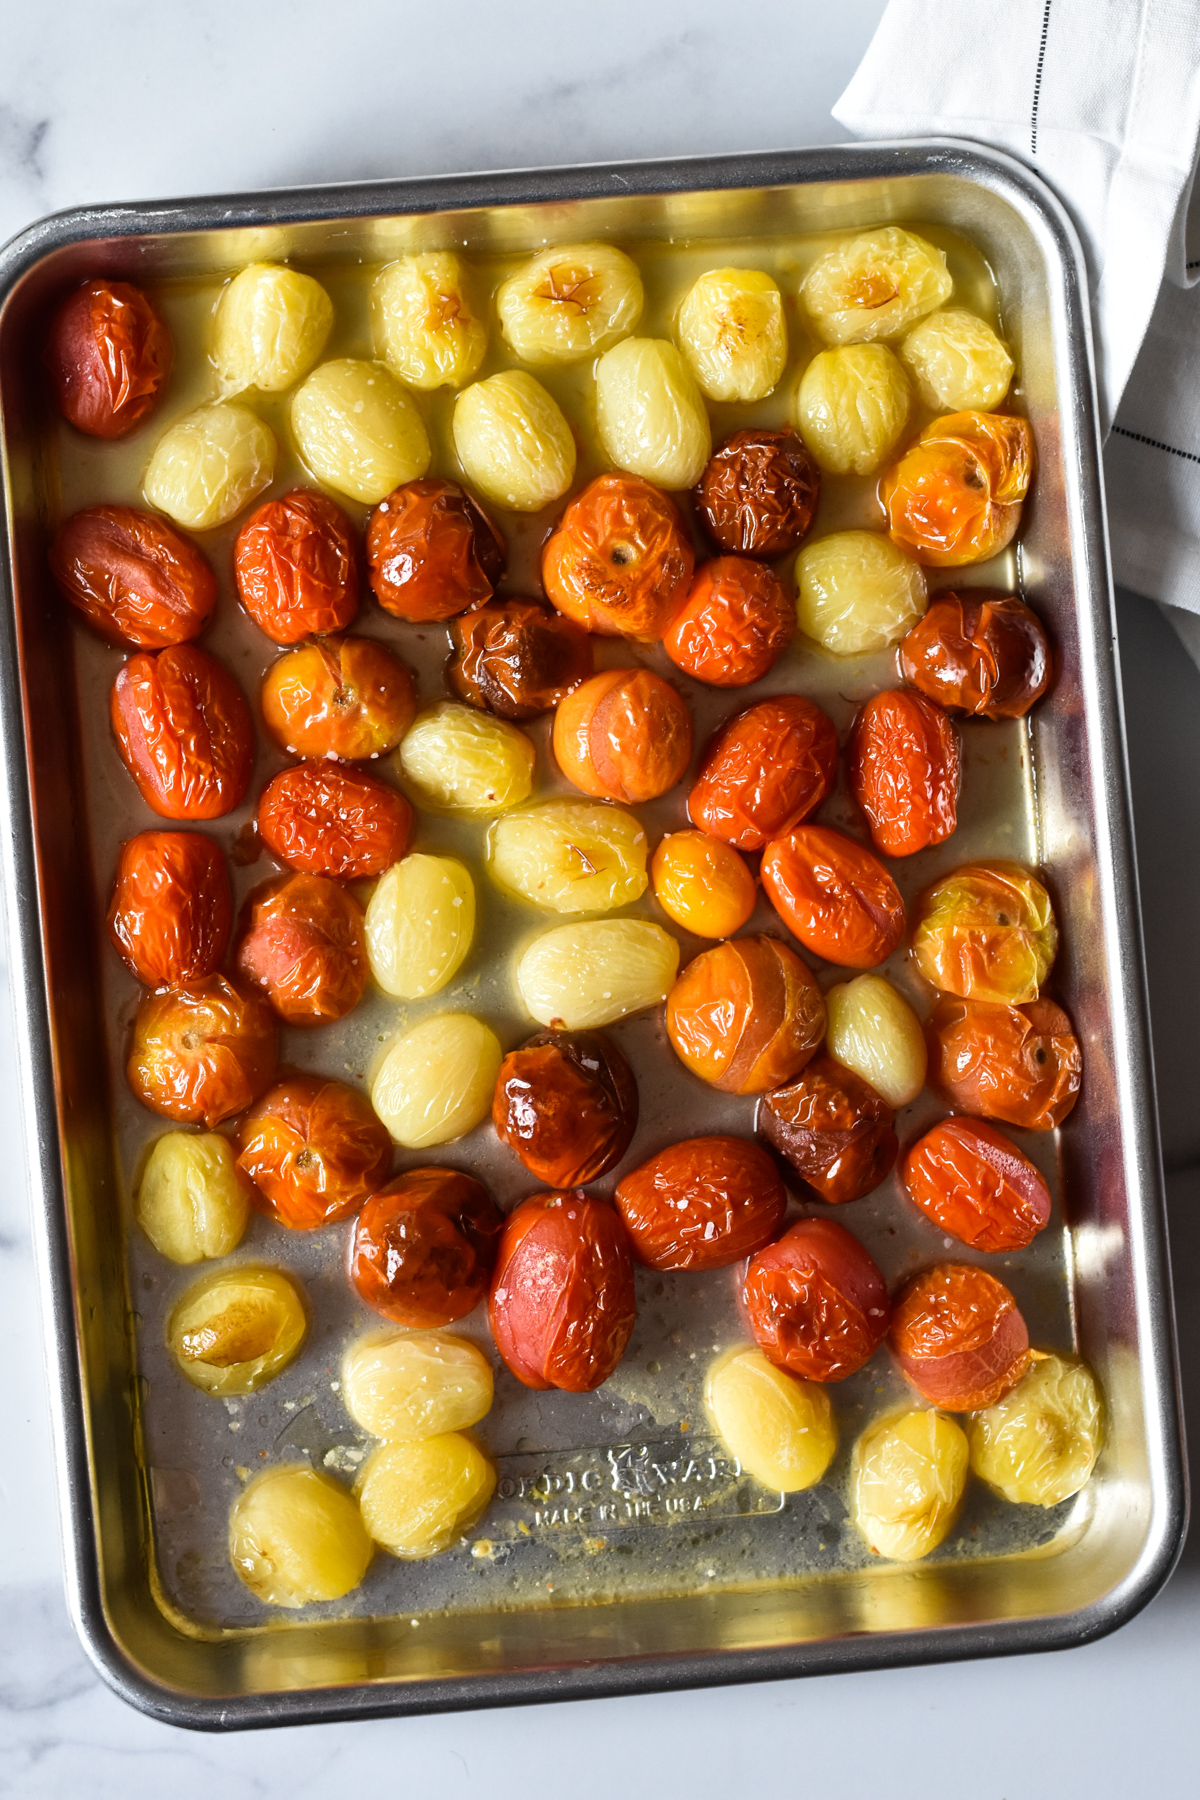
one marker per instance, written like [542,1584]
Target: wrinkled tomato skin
[1019,1064]
[135,579]
[517,659]
[108,355]
[758,496]
[314,1151]
[976,1186]
[425,1246]
[562,1301]
[955,496]
[302,943]
[816,1302]
[735,624]
[296,563]
[959,1337]
[766,770]
[702,1204]
[619,562]
[324,819]
[903,763]
[432,551]
[566,1103]
[184,732]
[746,1015]
[172,907]
[834,896]
[202,1052]
[986,932]
[624,735]
[342,697]
[838,1134]
[979,652]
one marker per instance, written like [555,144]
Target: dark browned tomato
[702,1204]
[108,355]
[202,1052]
[567,1104]
[326,819]
[978,652]
[172,908]
[432,551]
[517,659]
[302,942]
[134,578]
[1020,1064]
[297,566]
[903,764]
[745,1015]
[759,493]
[184,732]
[816,1302]
[834,1129]
[425,1246]
[959,1337]
[765,771]
[314,1151]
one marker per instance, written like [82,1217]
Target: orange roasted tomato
[975,1185]
[325,819]
[172,908]
[314,1151]
[904,771]
[986,932]
[759,493]
[959,1337]
[765,770]
[184,732]
[955,495]
[516,658]
[624,735]
[108,355]
[746,1015]
[816,1302]
[703,884]
[133,577]
[432,551]
[1020,1064]
[202,1052]
[736,622]
[833,895]
[302,943]
[619,561]
[425,1246]
[562,1300]
[702,1204]
[297,566]
[340,697]
[835,1130]
[567,1104]
[979,652]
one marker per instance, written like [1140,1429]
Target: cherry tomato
[816,1302]
[903,765]
[425,1246]
[619,562]
[736,622]
[759,493]
[432,551]
[567,1104]
[703,884]
[172,908]
[108,355]
[202,1052]
[834,896]
[702,1204]
[562,1301]
[980,652]
[314,1151]
[765,770]
[517,659]
[624,735]
[297,566]
[133,577]
[974,1183]
[302,942]
[959,1337]
[834,1129]
[342,697]
[955,496]
[745,1015]
[184,732]
[986,932]
[1020,1064]
[328,820]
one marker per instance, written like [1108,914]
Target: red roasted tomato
[834,1129]
[184,732]
[342,697]
[297,566]
[975,1185]
[816,1302]
[562,1301]
[1020,1064]
[619,562]
[172,908]
[567,1104]
[203,1052]
[302,942]
[765,771]
[959,1337]
[904,771]
[134,578]
[108,355]
[432,551]
[425,1246]
[980,652]
[314,1151]
[324,819]
[736,623]
[702,1204]
[834,896]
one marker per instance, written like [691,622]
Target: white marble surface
[139,100]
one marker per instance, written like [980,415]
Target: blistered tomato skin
[108,355]
[302,944]
[624,735]
[979,652]
[135,579]
[619,562]
[566,1104]
[765,771]
[758,495]
[324,819]
[296,563]
[816,1302]
[314,1151]
[425,1246]
[562,1301]
[172,908]
[959,1337]
[903,764]
[184,732]
[974,1184]
[746,1015]
[432,551]
[834,896]
[703,884]
[736,622]
[955,496]
[986,932]
[702,1204]
[517,659]
[202,1052]
[1019,1064]
[835,1130]
[345,698]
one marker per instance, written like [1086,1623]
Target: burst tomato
[834,896]
[765,771]
[834,1129]
[759,493]
[816,1302]
[134,578]
[619,562]
[425,1246]
[172,908]
[980,652]
[745,1015]
[327,820]
[302,942]
[432,551]
[702,1204]
[736,622]
[974,1183]
[1019,1064]
[567,1104]
[986,932]
[202,1052]
[903,765]
[108,355]
[955,496]
[562,1301]
[314,1151]
[517,659]
[184,732]
[959,1337]
[343,697]
[624,735]
[297,566]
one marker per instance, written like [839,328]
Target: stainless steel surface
[1118,1547]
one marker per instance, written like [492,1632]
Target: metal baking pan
[623,1554]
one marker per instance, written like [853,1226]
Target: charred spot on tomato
[517,659]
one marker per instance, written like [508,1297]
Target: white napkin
[1102,99]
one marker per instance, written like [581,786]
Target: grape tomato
[903,765]
[834,896]
[107,355]
[566,1104]
[959,1337]
[136,580]
[765,771]
[979,652]
[184,732]
[172,907]
[975,1185]
[704,1203]
[314,1151]
[816,1302]
[296,564]
[302,943]
[562,1300]
[758,494]
[425,1246]
[746,1015]
[619,562]
[324,819]
[838,1134]
[736,622]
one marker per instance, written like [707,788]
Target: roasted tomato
[745,1015]
[302,942]
[703,884]
[955,496]
[759,493]
[328,820]
[425,1246]
[432,551]
[974,1183]
[959,1337]
[986,932]
[834,1129]
[342,697]
[980,652]
[133,577]
[624,735]
[619,561]
[562,1300]
[1020,1064]
[736,622]
[516,658]
[172,908]
[816,1302]
[184,732]
[904,771]
[834,896]
[567,1104]
[314,1151]
[297,566]
[108,355]
[765,770]
[202,1052]
[702,1204]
